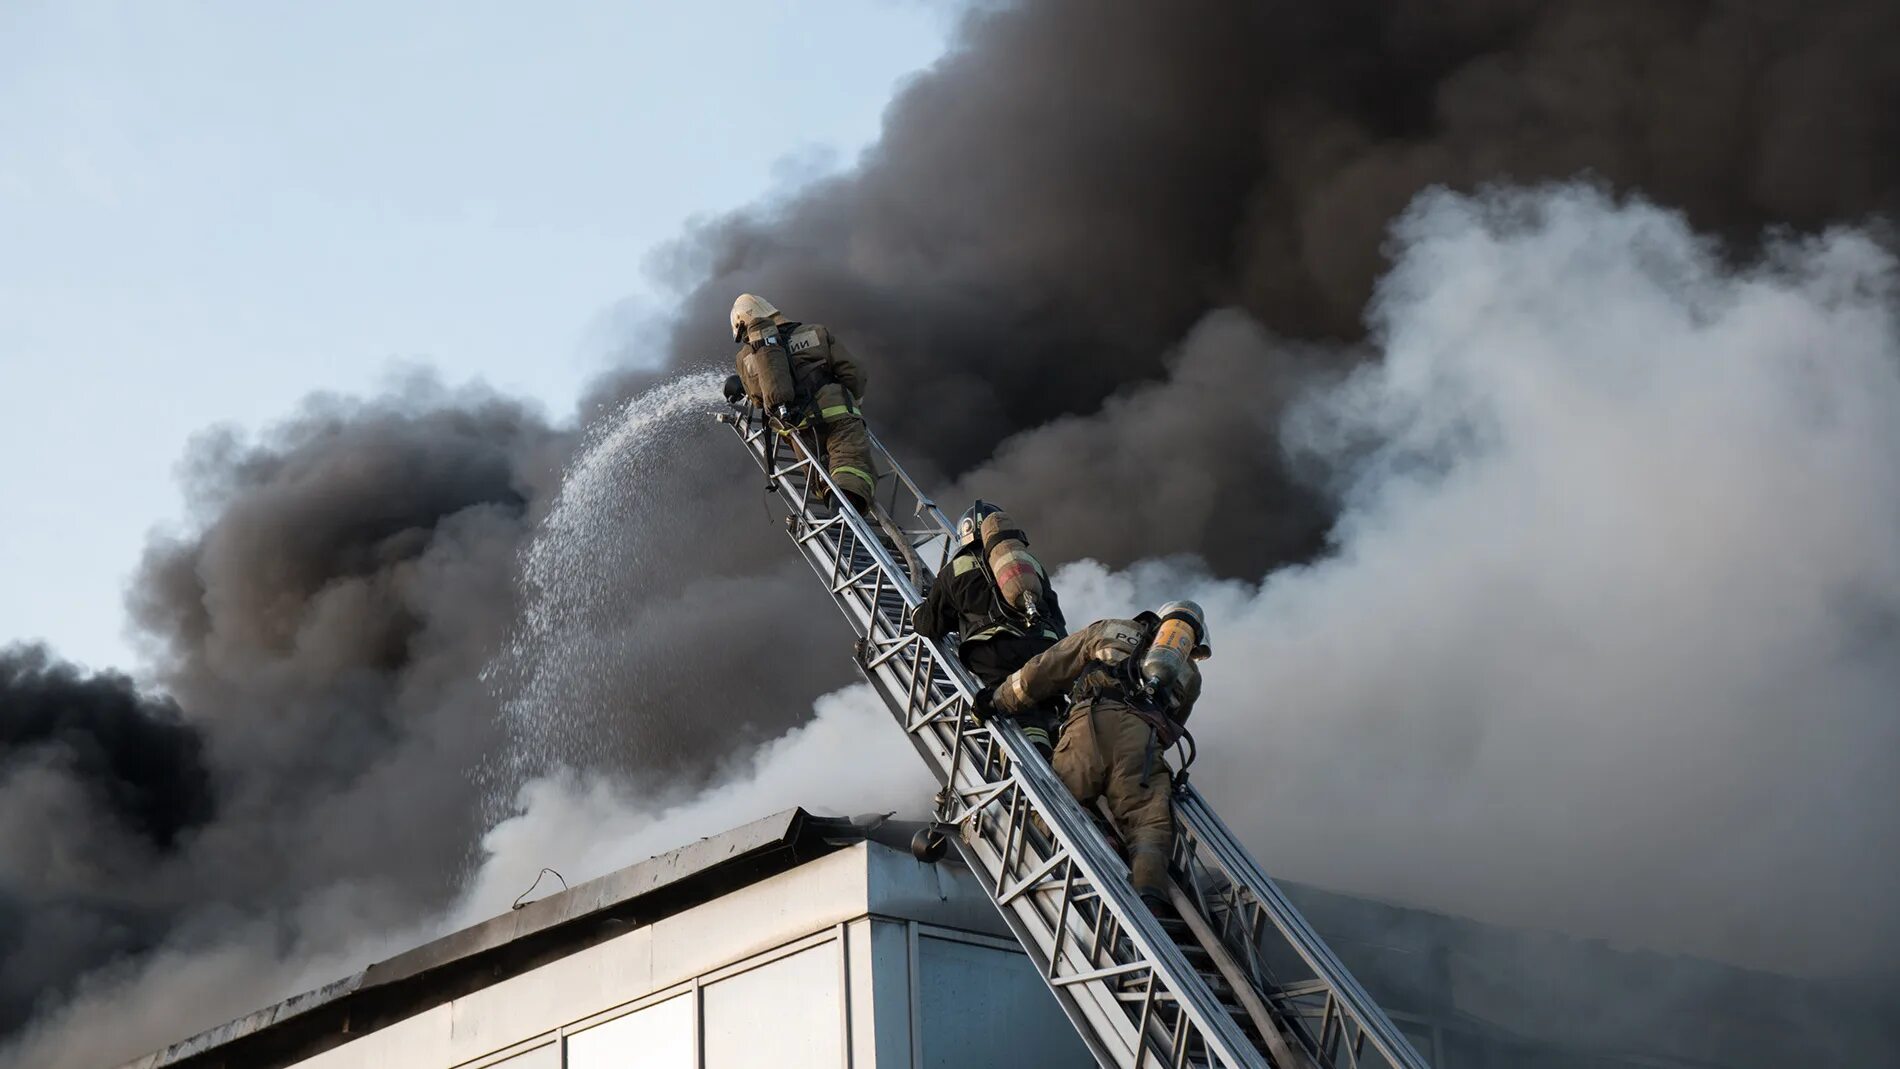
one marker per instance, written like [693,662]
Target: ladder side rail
[962,766]
[1349,999]
[865,617]
[964,758]
[1091,1008]
[923,505]
[1225,854]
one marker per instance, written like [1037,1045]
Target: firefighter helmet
[748,307]
[970,527]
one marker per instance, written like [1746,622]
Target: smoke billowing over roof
[1111,264]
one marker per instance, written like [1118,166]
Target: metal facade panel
[963,981]
[888,1007]
[659,1036]
[786,1014]
[419,1040]
[565,990]
[946,893]
[760,916]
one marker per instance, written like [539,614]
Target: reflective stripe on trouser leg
[1038,727]
[853,480]
[1037,735]
[847,444]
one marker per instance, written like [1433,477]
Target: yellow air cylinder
[1015,571]
[768,373]
[1168,655]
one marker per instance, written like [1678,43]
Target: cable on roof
[518,903]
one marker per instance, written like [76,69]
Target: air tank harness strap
[1181,735]
[1164,732]
[800,417]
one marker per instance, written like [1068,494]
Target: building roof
[537,932]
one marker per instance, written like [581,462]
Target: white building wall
[863,959]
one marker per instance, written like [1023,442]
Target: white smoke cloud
[1608,639]
[849,758]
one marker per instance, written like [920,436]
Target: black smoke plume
[125,776]
[1061,198]
[1050,213]
[321,630]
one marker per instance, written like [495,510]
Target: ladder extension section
[1240,981]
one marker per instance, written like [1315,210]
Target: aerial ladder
[1239,979]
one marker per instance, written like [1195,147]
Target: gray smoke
[1067,193]
[325,628]
[1609,632]
[87,751]
[321,628]
[1035,253]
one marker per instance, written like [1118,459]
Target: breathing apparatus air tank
[1017,578]
[768,367]
[1179,640]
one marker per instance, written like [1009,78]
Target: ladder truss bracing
[1240,979]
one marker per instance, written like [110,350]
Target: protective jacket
[964,599]
[826,384]
[818,359]
[1109,747]
[996,641]
[1096,664]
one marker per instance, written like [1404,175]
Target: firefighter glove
[983,706]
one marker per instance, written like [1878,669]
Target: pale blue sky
[208,210]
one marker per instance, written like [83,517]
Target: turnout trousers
[847,443]
[1100,755]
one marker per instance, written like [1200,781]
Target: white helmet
[748,307]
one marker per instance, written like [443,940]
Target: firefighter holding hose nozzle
[802,376]
[1131,684]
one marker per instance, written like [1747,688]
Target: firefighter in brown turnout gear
[802,375]
[995,595]
[1131,684]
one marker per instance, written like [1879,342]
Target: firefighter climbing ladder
[1239,980]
